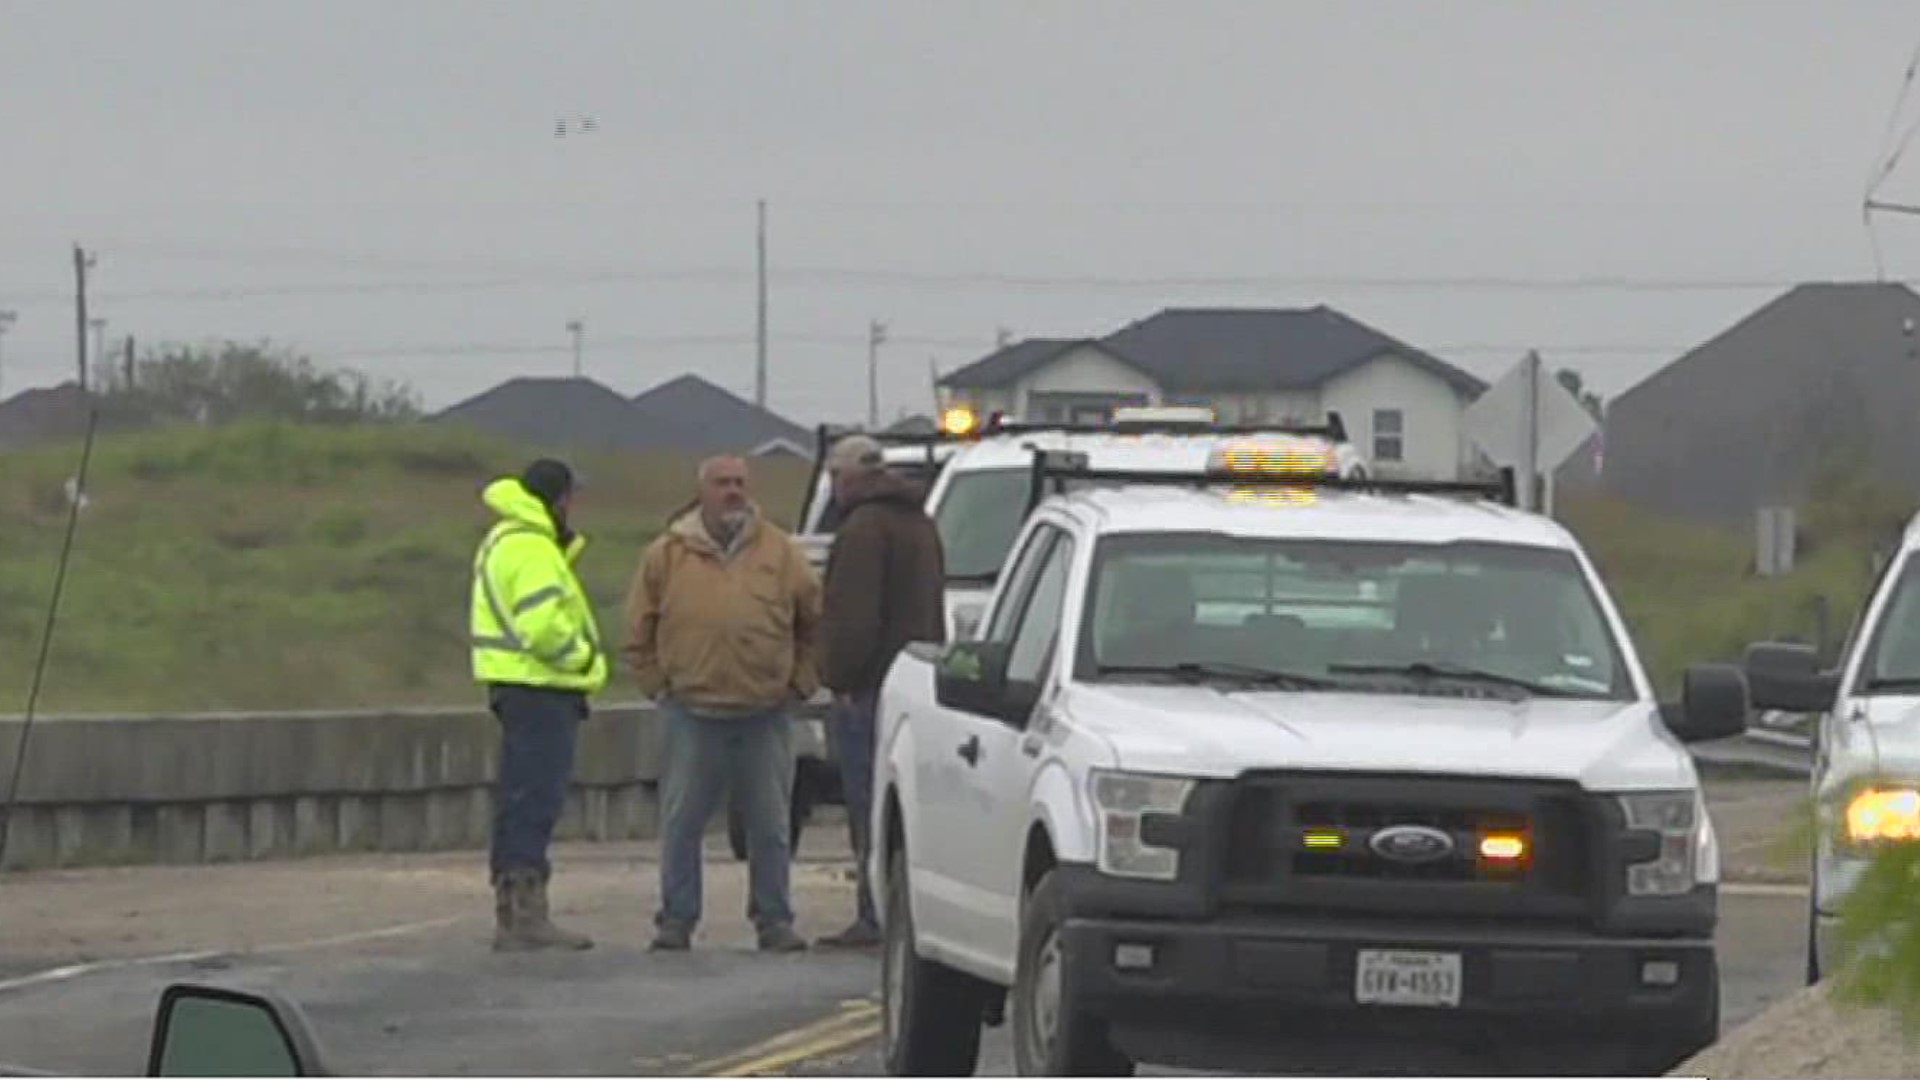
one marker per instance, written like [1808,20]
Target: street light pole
[577,329]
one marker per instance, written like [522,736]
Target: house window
[1389,435]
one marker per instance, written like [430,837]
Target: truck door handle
[970,750]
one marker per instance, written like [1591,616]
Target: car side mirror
[213,1031]
[1713,704]
[1786,677]
[971,676]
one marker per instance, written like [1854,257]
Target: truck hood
[1203,731]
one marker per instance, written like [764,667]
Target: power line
[846,276]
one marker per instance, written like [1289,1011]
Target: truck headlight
[1880,814]
[1678,820]
[1122,801]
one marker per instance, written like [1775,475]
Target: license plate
[1395,977]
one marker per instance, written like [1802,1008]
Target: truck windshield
[978,517]
[1892,661]
[1366,617]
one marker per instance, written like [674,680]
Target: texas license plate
[1398,977]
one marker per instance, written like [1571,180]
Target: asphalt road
[433,1001]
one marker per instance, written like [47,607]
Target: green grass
[1688,591]
[284,566]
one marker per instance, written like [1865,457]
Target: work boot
[781,939]
[530,926]
[860,935]
[671,937]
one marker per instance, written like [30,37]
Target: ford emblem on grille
[1411,843]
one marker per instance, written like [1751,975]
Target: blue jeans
[706,757]
[853,732]
[538,731]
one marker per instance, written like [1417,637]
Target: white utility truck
[1257,768]
[1865,783]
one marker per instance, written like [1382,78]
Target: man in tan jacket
[721,622]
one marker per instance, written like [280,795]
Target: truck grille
[1357,825]
[1443,845]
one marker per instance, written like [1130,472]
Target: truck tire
[930,1014]
[1052,1036]
[797,817]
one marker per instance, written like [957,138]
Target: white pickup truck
[1259,777]
[1865,784]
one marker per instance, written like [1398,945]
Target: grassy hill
[282,566]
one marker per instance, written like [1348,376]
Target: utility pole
[1530,439]
[760,332]
[577,329]
[129,363]
[99,328]
[7,319]
[82,262]
[876,334]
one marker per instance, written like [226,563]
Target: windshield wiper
[1198,670]
[1423,669]
[1893,682]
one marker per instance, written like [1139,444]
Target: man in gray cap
[885,587]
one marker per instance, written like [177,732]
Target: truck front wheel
[931,1014]
[1052,1035]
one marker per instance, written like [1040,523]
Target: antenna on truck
[46,635]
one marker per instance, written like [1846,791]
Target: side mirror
[971,676]
[212,1031]
[1787,677]
[1713,704]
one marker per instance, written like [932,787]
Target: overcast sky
[380,182]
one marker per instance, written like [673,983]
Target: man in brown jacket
[885,587]
[721,622]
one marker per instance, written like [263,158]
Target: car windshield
[1892,661]
[1363,616]
[979,517]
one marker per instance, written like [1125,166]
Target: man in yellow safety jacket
[537,650]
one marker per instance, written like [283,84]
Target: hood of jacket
[511,501]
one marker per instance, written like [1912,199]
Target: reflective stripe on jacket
[530,621]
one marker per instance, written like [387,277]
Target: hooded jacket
[885,585]
[724,630]
[530,622]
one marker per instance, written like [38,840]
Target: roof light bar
[1051,471]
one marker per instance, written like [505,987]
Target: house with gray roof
[1402,406]
[686,415]
[1824,374]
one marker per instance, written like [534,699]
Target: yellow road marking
[855,1023]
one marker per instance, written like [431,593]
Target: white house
[1404,408]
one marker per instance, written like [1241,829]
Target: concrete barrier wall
[222,787]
